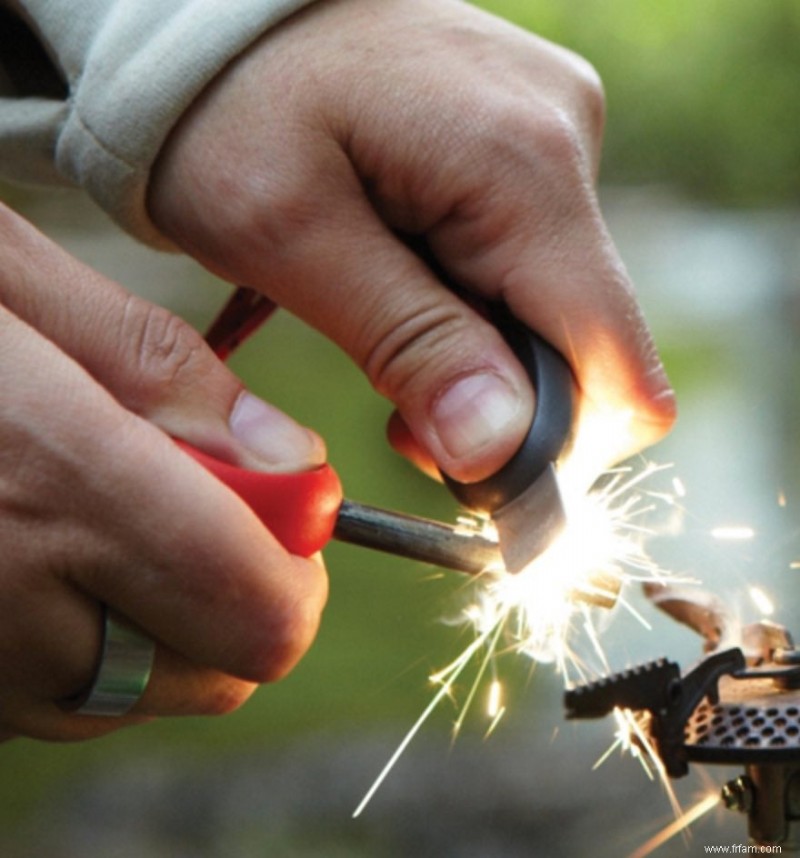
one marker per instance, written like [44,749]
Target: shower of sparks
[600,549]
[762,601]
[538,611]
[735,533]
[687,818]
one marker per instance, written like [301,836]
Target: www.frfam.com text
[743,849]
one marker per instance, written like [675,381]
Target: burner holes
[752,742]
[781,723]
[737,722]
[728,741]
[721,730]
[777,741]
[717,720]
[759,722]
[767,732]
[793,730]
[742,732]
[771,713]
[751,713]
[793,711]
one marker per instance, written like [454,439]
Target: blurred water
[722,292]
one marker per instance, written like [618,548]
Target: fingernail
[477,411]
[273,438]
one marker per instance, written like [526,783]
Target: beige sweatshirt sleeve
[90,90]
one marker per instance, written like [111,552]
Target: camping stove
[739,706]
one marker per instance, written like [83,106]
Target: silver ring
[123,671]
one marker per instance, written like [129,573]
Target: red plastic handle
[298,509]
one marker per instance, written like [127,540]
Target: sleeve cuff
[142,72]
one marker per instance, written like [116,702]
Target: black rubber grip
[550,430]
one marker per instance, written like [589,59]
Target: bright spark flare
[762,601]
[733,533]
[495,700]
[600,548]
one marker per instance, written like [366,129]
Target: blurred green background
[700,95]
[702,159]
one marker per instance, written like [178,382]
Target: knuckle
[8,221]
[228,695]
[288,207]
[540,139]
[290,642]
[591,97]
[285,633]
[165,348]
[260,234]
[413,347]
[270,214]
[558,139]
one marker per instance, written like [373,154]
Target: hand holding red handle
[305,510]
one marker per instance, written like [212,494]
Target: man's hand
[98,505]
[360,123]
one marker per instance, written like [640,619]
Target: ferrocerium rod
[444,545]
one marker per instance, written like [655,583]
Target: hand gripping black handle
[550,430]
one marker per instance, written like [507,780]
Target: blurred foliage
[700,95]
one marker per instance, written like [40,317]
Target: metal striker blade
[528,524]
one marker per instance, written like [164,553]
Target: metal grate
[753,722]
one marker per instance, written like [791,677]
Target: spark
[495,701]
[678,487]
[762,601]
[537,612]
[495,708]
[625,736]
[687,818]
[733,533]
[447,680]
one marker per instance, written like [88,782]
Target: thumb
[154,363]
